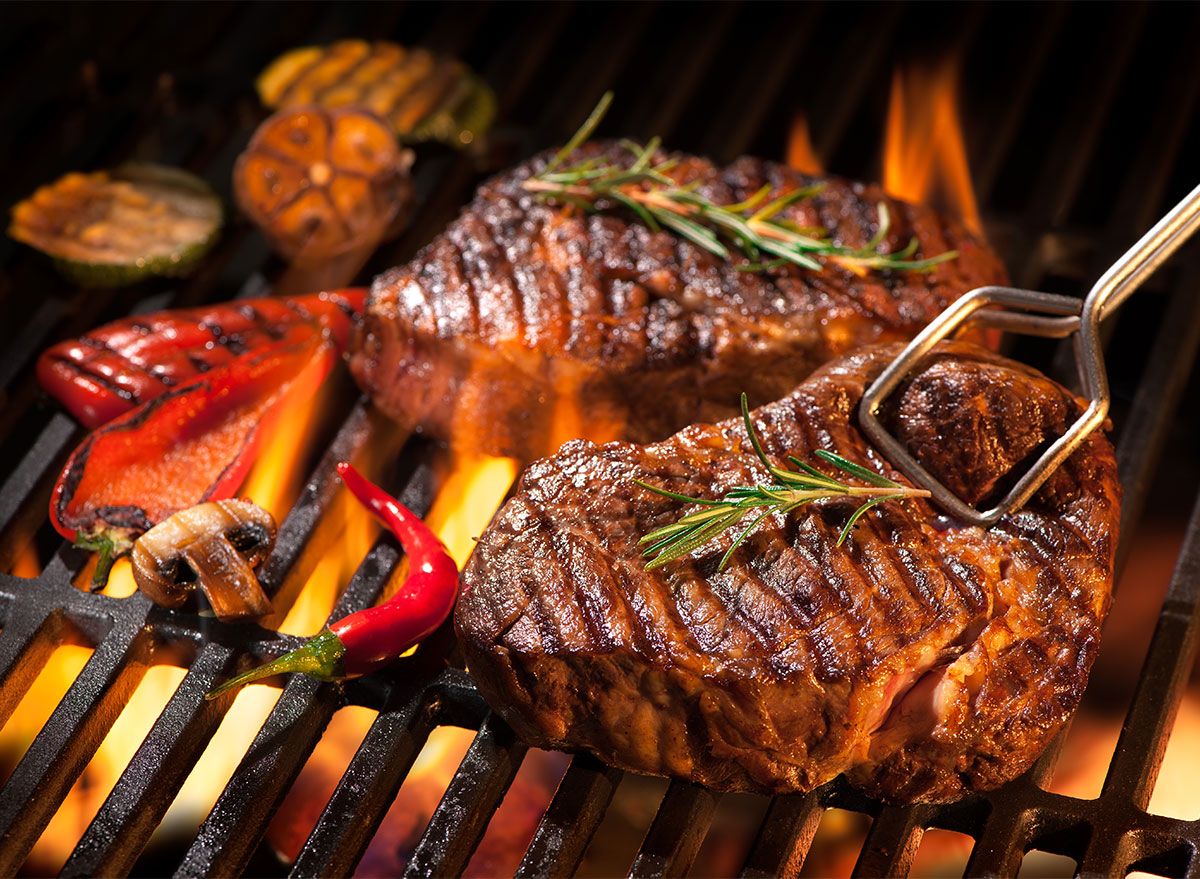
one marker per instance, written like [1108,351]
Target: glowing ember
[925,158]
[800,152]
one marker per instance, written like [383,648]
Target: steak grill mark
[1046,165]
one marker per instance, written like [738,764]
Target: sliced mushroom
[216,546]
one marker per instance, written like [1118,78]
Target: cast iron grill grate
[1083,144]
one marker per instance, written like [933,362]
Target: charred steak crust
[519,309]
[924,658]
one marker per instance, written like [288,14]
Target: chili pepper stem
[320,657]
[111,545]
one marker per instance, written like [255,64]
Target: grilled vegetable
[321,183]
[128,362]
[370,639]
[193,443]
[110,228]
[422,95]
[216,546]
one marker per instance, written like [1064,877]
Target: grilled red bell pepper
[128,362]
[192,443]
[370,639]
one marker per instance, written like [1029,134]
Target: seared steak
[525,324]
[924,657]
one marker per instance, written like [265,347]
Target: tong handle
[1143,259]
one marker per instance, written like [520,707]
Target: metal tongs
[1035,314]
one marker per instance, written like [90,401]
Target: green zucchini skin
[179,263]
[110,274]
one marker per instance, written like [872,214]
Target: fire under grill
[1080,124]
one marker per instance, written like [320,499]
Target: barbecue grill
[1080,122]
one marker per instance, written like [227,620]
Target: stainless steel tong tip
[1038,314]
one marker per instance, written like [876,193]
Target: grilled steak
[525,324]
[924,657]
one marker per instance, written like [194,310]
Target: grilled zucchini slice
[111,228]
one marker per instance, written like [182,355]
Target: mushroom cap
[215,545]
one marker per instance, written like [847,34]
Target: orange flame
[26,563]
[800,152]
[925,158]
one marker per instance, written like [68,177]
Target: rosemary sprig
[765,238]
[792,489]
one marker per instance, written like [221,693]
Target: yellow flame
[925,157]
[315,602]
[275,480]
[467,500]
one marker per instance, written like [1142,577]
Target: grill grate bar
[42,779]
[1139,753]
[116,836]
[999,848]
[854,72]
[38,464]
[597,66]
[784,837]
[1023,78]
[474,794]
[368,786]
[571,820]
[1141,197]
[892,841]
[27,639]
[313,523]
[679,828]
[759,79]
[1075,144]
[660,102]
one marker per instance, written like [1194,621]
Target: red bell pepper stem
[370,639]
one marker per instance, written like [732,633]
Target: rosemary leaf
[885,223]
[679,497]
[740,539]
[793,256]
[772,208]
[647,154]
[693,231]
[584,132]
[855,470]
[742,206]
[792,490]
[647,217]
[857,515]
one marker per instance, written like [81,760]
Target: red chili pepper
[191,444]
[128,362]
[370,639]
